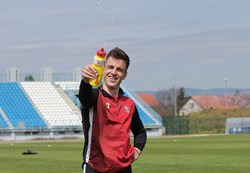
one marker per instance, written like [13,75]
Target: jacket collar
[106,94]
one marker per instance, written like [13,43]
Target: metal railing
[37,77]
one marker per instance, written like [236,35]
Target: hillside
[225,113]
[216,91]
[212,91]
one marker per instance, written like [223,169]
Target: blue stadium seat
[17,107]
[146,119]
[144,116]
[3,124]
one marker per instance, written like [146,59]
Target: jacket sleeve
[87,96]
[140,135]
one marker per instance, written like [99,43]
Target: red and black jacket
[107,122]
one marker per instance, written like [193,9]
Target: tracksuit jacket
[107,123]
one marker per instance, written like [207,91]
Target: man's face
[114,73]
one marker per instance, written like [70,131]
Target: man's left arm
[140,135]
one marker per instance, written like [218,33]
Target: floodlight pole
[175,99]
[225,91]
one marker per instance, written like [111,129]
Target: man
[108,117]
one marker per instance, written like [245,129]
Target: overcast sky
[189,43]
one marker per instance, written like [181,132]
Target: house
[199,103]
[150,99]
[154,103]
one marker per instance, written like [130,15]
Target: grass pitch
[204,154]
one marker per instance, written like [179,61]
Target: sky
[183,43]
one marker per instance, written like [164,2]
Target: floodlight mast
[226,80]
[175,99]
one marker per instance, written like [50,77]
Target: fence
[37,77]
[187,125]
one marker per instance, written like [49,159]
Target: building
[199,103]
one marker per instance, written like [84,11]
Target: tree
[167,97]
[29,78]
[181,98]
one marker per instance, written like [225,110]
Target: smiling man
[108,117]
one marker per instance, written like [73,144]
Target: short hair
[119,54]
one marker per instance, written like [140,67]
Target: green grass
[205,154]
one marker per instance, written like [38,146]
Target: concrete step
[67,99]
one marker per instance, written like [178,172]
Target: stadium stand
[151,120]
[50,104]
[3,124]
[144,116]
[17,108]
[34,109]
[68,85]
[148,116]
[71,88]
[144,110]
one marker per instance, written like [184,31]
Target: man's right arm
[86,95]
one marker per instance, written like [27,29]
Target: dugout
[237,125]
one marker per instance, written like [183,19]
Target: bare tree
[167,97]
